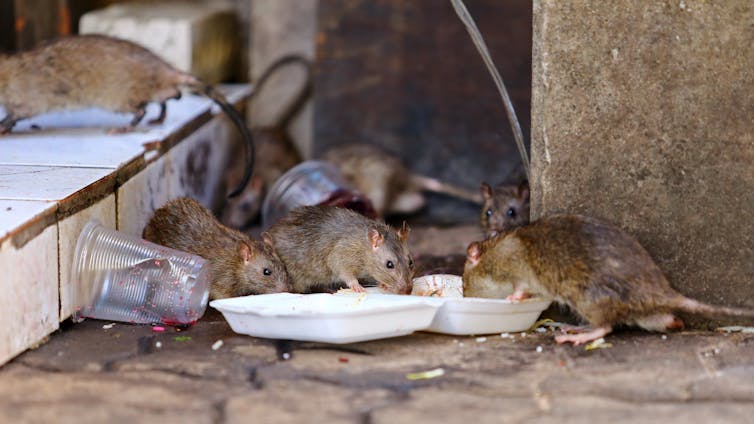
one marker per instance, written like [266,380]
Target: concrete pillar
[642,115]
[278,28]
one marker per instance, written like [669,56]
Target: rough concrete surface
[87,373]
[642,115]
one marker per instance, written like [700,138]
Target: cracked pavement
[87,373]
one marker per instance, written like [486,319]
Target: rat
[506,206]
[323,245]
[240,265]
[597,269]
[386,181]
[275,150]
[82,71]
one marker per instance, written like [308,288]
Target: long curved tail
[690,305]
[238,120]
[295,106]
[437,186]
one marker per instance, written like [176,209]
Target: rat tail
[200,87]
[298,101]
[690,305]
[437,186]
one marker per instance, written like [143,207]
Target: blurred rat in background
[78,72]
[385,180]
[595,268]
[240,265]
[506,205]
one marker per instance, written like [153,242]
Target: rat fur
[386,181]
[323,245]
[506,206]
[596,269]
[240,266]
[82,71]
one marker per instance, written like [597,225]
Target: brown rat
[322,245]
[275,151]
[506,206]
[386,181]
[78,72]
[598,270]
[240,266]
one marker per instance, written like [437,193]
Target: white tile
[14,213]
[141,195]
[29,287]
[78,147]
[45,182]
[69,230]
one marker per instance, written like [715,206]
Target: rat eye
[410,262]
[266,271]
[488,212]
[511,212]
[390,265]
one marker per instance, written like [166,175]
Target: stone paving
[128,373]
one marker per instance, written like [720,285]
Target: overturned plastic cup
[312,182]
[119,277]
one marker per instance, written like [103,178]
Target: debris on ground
[735,329]
[425,375]
[217,345]
[598,344]
[182,338]
[108,326]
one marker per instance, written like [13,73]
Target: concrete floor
[128,373]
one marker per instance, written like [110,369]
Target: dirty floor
[93,372]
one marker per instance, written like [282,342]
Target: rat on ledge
[82,71]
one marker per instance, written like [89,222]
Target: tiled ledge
[52,181]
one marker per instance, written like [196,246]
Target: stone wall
[642,115]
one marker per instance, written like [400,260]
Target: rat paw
[518,296]
[358,288]
[584,337]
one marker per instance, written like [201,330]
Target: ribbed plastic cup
[312,182]
[118,277]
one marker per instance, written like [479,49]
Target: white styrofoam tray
[473,315]
[321,317]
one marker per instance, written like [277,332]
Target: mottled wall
[406,76]
[642,114]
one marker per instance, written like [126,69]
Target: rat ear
[403,232]
[376,238]
[473,253]
[245,251]
[523,190]
[486,191]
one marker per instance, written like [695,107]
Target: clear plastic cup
[124,278]
[312,182]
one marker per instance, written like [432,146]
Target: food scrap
[108,326]
[343,359]
[481,339]
[426,375]
[182,338]
[217,345]
[158,329]
[735,329]
[598,344]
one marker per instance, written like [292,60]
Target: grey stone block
[642,115]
